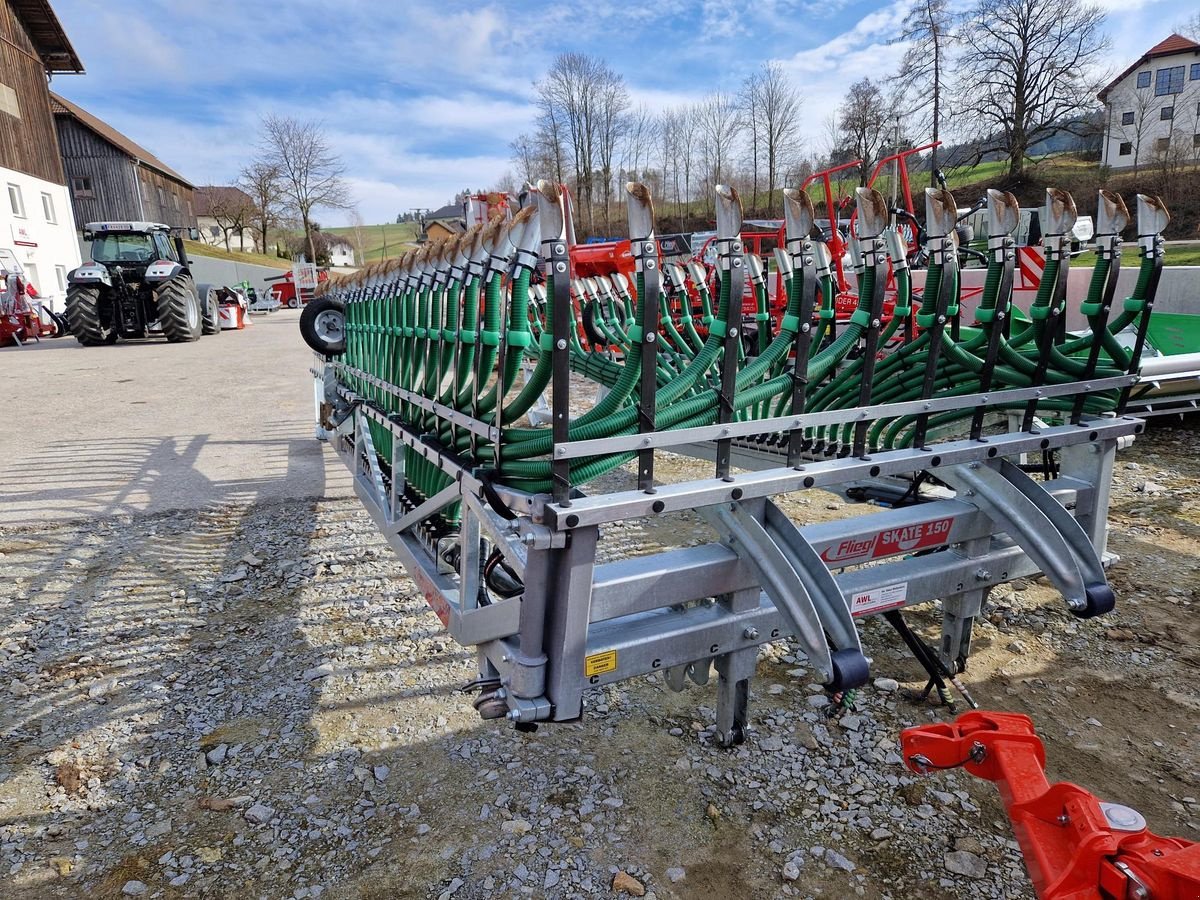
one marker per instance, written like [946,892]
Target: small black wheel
[850,670]
[323,326]
[1100,600]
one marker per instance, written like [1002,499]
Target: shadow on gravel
[138,475]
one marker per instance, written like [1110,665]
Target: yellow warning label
[599,663]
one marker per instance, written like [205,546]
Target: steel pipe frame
[699,606]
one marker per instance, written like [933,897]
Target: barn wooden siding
[28,143]
[121,188]
[114,184]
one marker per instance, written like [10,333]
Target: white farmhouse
[341,251]
[1153,108]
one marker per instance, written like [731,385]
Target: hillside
[381,241]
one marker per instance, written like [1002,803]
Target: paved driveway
[149,426]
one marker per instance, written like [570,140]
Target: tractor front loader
[138,284]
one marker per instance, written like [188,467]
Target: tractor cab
[130,245]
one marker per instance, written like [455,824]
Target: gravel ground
[251,699]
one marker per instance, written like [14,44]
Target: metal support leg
[567,616]
[734,672]
[959,612]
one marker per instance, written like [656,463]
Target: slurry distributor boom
[432,400]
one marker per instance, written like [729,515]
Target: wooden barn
[112,177]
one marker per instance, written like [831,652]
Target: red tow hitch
[1076,847]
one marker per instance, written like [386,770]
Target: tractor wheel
[293,302]
[211,309]
[179,311]
[323,326]
[83,317]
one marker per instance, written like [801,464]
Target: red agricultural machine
[297,286]
[23,316]
[1076,846]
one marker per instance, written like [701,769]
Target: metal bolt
[983,574]
[560,267]
[560,248]
[751,633]
[561,344]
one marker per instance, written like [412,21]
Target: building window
[1162,144]
[1166,113]
[1125,149]
[162,200]
[48,209]
[81,187]
[1168,81]
[1143,79]
[175,201]
[189,209]
[1127,118]
[1195,73]
[60,272]
[15,201]
[8,101]
[31,277]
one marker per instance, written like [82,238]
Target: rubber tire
[210,316]
[210,310]
[179,313]
[83,316]
[308,326]
[293,303]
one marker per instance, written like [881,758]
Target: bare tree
[640,134]
[862,123]
[1024,71]
[717,121]
[929,32]
[612,103]
[261,181]
[312,175]
[781,105]
[550,138]
[1191,27]
[525,157]
[356,222]
[750,99]
[232,209]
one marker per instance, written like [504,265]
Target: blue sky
[421,98]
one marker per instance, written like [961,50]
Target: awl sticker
[878,600]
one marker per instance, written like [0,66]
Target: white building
[226,214]
[1153,107]
[36,222]
[341,251]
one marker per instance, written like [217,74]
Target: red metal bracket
[1076,847]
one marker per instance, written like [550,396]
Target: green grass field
[381,241]
[197,248]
